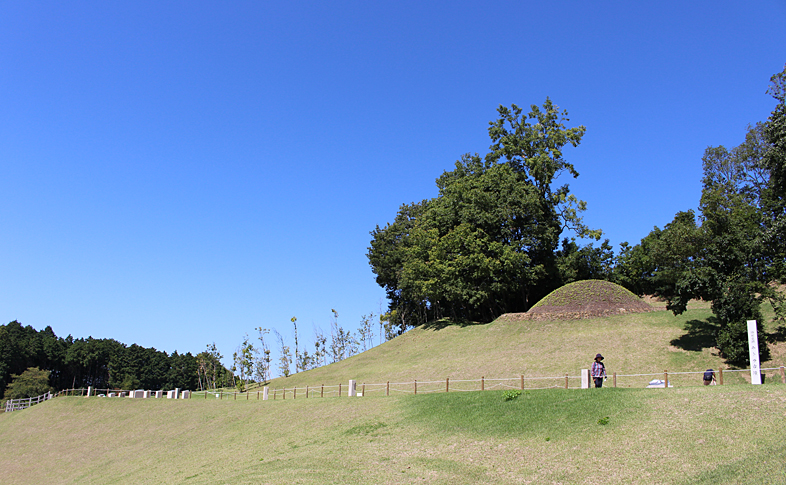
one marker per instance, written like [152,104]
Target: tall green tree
[774,196]
[736,252]
[487,244]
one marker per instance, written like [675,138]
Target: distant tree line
[101,363]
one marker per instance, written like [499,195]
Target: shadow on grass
[445,323]
[700,335]
[779,335]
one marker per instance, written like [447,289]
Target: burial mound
[583,299]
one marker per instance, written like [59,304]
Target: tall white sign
[753,348]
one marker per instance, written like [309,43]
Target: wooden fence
[663,379]
[18,404]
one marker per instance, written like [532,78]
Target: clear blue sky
[179,173]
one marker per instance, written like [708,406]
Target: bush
[31,383]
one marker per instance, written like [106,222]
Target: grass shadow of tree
[443,323]
[779,335]
[700,335]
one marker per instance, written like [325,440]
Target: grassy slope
[631,344]
[729,434]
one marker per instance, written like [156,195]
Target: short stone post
[585,378]
[89,390]
[265,393]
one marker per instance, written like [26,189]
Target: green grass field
[686,434]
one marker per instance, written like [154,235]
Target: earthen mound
[584,299]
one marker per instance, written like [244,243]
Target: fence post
[783,375]
[566,380]
[720,376]
[294,393]
[387,389]
[447,384]
[363,392]
[306,391]
[615,379]
[482,383]
[235,395]
[284,395]
[339,389]
[275,391]
[522,382]
[247,393]
[322,391]
[665,379]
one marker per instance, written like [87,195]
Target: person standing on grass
[598,370]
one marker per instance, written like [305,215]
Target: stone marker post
[753,348]
[585,378]
[352,388]
[265,393]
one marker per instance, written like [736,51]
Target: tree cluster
[732,252]
[101,363]
[488,243]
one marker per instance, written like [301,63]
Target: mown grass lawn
[728,434]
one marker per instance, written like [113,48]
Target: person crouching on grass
[598,371]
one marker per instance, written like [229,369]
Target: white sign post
[753,348]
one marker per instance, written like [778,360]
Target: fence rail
[655,379]
[663,379]
[19,404]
